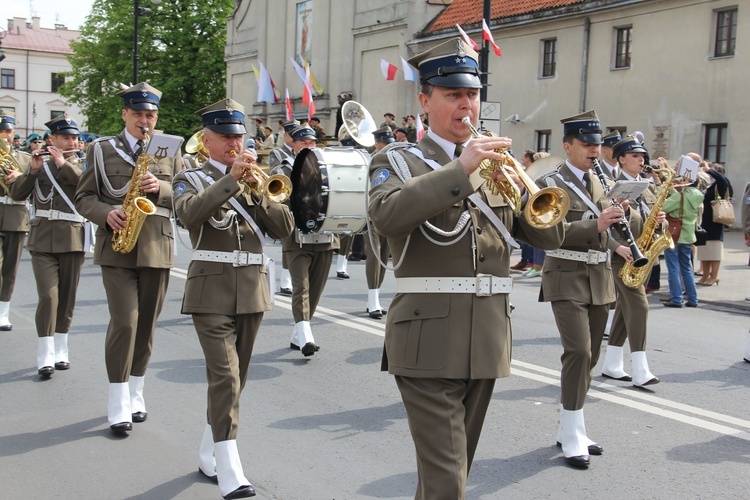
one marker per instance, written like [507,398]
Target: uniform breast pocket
[415,340]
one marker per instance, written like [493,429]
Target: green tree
[181,53]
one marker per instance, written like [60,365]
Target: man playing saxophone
[135,282]
[13,214]
[631,309]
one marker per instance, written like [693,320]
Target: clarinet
[623,227]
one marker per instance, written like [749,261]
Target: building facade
[674,70]
[32,71]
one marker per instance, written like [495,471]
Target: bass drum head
[309,201]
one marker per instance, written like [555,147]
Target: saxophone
[651,244]
[136,206]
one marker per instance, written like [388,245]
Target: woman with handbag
[710,254]
[681,206]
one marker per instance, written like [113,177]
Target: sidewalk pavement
[734,277]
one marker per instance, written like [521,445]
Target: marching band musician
[609,159]
[376,245]
[56,240]
[15,222]
[135,282]
[631,308]
[277,165]
[309,257]
[577,278]
[448,334]
[227,289]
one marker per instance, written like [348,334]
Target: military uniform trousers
[631,313]
[135,298]
[374,271]
[56,276]
[345,244]
[455,410]
[227,343]
[581,328]
[309,271]
[12,245]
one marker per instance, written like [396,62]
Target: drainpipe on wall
[28,83]
[585,64]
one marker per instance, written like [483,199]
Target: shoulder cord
[99,166]
[39,197]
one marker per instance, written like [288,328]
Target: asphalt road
[332,426]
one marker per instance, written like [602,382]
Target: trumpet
[545,207]
[277,187]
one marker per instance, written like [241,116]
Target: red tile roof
[466,12]
[38,41]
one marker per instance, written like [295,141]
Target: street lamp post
[138,11]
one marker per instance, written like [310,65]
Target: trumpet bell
[547,207]
[278,188]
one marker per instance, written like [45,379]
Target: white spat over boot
[613,365]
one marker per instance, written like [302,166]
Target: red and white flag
[420,128]
[487,35]
[388,69]
[288,105]
[307,94]
[467,39]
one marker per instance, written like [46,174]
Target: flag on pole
[487,35]
[388,69]
[256,72]
[468,40]
[288,105]
[420,128]
[265,86]
[410,74]
[300,71]
[319,90]
[307,95]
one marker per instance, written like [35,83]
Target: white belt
[7,200]
[160,211]
[590,257]
[482,285]
[58,215]
[238,258]
[312,238]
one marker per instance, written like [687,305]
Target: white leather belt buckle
[54,215]
[593,257]
[484,285]
[241,258]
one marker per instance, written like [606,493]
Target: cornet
[277,188]
[545,207]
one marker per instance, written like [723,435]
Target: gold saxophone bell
[277,188]
[545,207]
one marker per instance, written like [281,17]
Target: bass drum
[328,194]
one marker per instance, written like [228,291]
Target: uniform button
[226,190]
[416,312]
[242,237]
[201,271]
[479,230]
[481,257]
[455,191]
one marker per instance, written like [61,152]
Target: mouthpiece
[145,130]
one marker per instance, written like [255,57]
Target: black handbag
[701,236]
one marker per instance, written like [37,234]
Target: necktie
[587,180]
[459,150]
[138,149]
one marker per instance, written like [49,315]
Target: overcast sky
[71,13]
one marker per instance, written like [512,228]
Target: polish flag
[409,74]
[467,39]
[388,69]
[307,95]
[487,35]
[288,105]
[420,128]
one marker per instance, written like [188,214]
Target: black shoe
[605,336]
[139,416]
[652,381]
[309,349]
[672,304]
[242,492]
[375,314]
[285,291]
[342,275]
[214,479]
[45,372]
[382,311]
[691,304]
[625,378]
[594,448]
[354,258]
[6,328]
[122,428]
[746,360]
[579,462]
[62,365]
[294,346]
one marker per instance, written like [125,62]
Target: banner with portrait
[303,41]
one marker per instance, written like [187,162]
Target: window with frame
[58,79]
[7,78]
[715,143]
[543,138]
[622,47]
[549,57]
[726,32]
[55,114]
